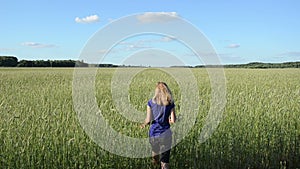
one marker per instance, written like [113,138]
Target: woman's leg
[164,160]
[166,150]
[155,158]
[165,165]
[155,150]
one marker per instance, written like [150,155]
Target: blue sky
[240,31]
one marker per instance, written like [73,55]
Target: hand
[142,126]
[171,121]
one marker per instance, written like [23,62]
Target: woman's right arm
[172,116]
[148,117]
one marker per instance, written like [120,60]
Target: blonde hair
[163,95]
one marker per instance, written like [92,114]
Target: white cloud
[6,49]
[168,38]
[103,51]
[230,58]
[38,45]
[290,54]
[88,19]
[108,51]
[233,45]
[161,17]
[135,45]
[146,43]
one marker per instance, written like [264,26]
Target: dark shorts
[162,146]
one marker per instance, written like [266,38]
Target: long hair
[163,95]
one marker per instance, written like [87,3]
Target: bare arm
[172,116]
[148,117]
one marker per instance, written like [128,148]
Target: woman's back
[160,114]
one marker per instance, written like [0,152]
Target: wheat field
[259,129]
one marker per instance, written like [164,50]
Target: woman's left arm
[172,118]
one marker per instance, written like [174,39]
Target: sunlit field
[260,128]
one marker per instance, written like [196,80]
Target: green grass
[260,127]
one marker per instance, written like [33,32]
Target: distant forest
[260,65]
[11,61]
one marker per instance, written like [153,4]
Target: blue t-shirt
[160,123]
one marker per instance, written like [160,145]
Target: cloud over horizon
[290,54]
[88,19]
[287,56]
[37,45]
[161,17]
[233,45]
[6,49]
[168,38]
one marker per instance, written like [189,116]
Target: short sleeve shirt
[161,115]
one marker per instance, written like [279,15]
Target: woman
[160,112]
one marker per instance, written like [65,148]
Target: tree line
[260,65]
[257,65]
[11,61]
